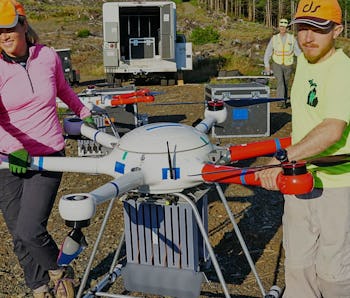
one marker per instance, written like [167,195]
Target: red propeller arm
[116,101]
[227,174]
[294,180]
[140,92]
[250,150]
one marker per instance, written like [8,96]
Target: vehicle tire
[110,78]
[117,83]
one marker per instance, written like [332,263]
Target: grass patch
[93,70]
[244,65]
[83,33]
[247,32]
[201,36]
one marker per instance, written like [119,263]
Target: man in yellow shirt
[316,226]
[281,48]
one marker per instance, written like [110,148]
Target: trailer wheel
[171,82]
[167,82]
[75,78]
[168,79]
[110,78]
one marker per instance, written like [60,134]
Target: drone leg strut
[240,237]
[114,271]
[206,239]
[94,251]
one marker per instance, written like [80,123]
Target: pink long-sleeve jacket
[28,116]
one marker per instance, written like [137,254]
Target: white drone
[158,158]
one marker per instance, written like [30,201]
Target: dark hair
[31,35]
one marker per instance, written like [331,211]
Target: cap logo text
[311,7]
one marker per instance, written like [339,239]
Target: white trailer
[140,41]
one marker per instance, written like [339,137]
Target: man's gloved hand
[89,121]
[19,161]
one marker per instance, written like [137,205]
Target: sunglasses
[306,27]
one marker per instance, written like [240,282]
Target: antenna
[169,161]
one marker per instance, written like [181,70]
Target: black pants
[26,202]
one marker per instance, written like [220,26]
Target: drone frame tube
[251,150]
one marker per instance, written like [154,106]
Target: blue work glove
[89,121]
[19,161]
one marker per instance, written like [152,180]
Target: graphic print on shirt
[312,99]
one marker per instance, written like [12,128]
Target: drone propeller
[324,161]
[236,102]
[240,102]
[238,170]
[178,103]
[332,160]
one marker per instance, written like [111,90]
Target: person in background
[282,47]
[316,226]
[31,77]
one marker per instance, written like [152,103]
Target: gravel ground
[257,213]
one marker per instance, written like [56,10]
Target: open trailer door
[167,34]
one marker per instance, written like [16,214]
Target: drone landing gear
[166,246]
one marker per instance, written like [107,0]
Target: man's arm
[324,135]
[268,54]
[328,132]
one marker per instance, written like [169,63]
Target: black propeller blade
[239,170]
[324,161]
[332,160]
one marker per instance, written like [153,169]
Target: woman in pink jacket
[31,78]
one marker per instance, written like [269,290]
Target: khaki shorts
[316,233]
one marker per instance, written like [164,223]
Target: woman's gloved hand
[19,161]
[89,121]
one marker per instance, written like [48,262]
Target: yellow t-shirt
[322,91]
